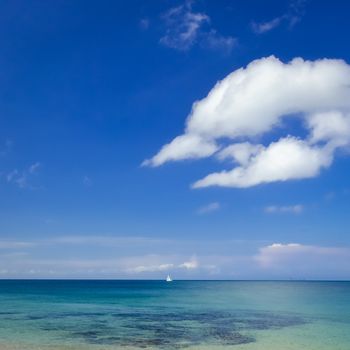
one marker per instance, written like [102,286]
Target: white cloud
[209,208]
[12,175]
[150,268]
[264,27]
[106,241]
[304,259]
[289,158]
[255,260]
[190,265]
[333,126]
[33,168]
[240,152]
[187,265]
[183,147]
[155,266]
[251,102]
[156,263]
[291,17]
[11,244]
[87,181]
[20,178]
[185,28]
[294,209]
[215,41]
[144,23]
[5,148]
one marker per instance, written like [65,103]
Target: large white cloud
[254,100]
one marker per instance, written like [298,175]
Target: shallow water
[182,314]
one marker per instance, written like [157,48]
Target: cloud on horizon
[253,101]
[39,259]
[304,260]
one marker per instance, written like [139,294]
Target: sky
[205,139]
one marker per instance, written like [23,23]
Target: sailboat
[168,278]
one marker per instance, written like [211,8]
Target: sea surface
[238,315]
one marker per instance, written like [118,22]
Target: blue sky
[90,90]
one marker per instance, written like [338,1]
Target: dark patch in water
[173,330]
[35,317]
[273,322]
[144,329]
[75,314]
[228,337]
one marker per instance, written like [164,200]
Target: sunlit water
[181,314]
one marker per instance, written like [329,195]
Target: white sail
[168,279]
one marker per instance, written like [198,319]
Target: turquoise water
[182,314]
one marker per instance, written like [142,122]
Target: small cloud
[6,147]
[109,241]
[209,208]
[260,28]
[49,221]
[34,167]
[20,178]
[16,255]
[87,181]
[144,23]
[295,256]
[11,175]
[185,28]
[293,15]
[190,265]
[22,181]
[296,11]
[150,268]
[215,41]
[330,196]
[294,209]
[8,244]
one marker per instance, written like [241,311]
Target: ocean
[238,315]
